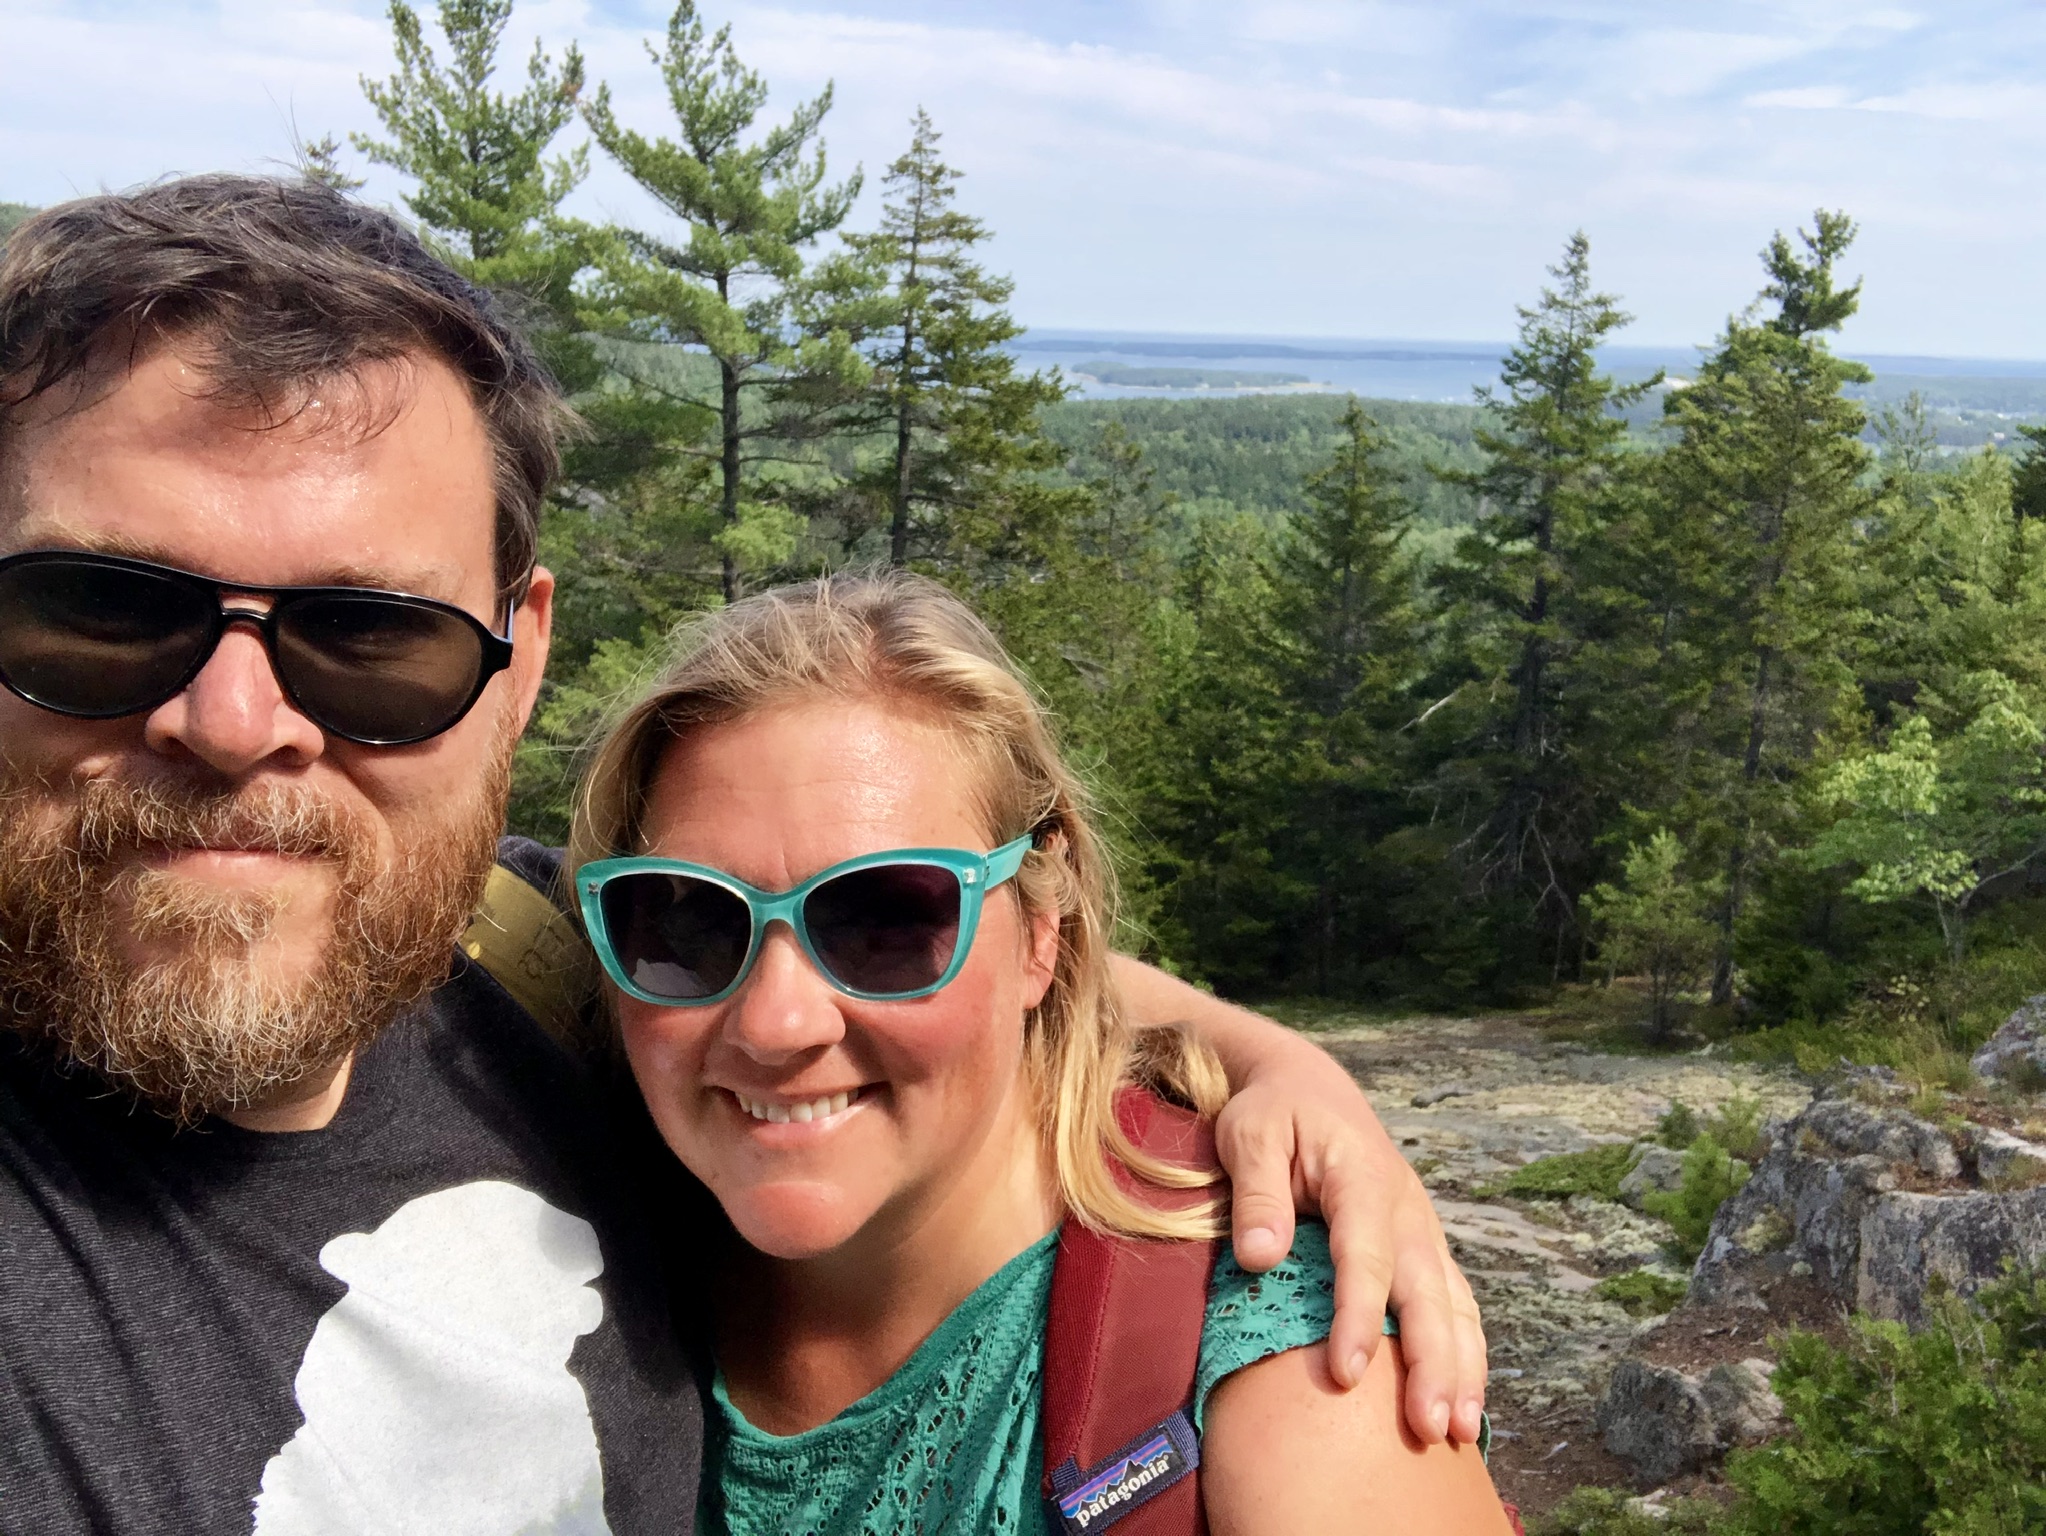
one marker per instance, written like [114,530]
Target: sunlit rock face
[1879,1206]
[2016,1053]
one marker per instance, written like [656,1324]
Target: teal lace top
[952,1441]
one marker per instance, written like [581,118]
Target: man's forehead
[382,480]
[423,577]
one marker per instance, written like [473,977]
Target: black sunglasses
[98,636]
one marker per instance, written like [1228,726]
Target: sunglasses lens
[888,930]
[677,936]
[376,670]
[98,640]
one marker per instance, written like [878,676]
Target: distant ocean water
[1450,370]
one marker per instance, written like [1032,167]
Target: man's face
[233,855]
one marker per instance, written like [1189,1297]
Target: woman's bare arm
[1286,1450]
[1299,1133]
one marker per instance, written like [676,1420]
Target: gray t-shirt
[442,1313]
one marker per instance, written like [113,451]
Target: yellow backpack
[536,952]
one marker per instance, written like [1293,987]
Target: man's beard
[208,1030]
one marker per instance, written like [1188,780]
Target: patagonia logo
[1102,1494]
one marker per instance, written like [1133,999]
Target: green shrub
[1595,1171]
[1642,1292]
[1711,1175]
[1678,1127]
[1941,1431]
[1737,1126]
[1604,1512]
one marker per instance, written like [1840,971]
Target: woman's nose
[785,1008]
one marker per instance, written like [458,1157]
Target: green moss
[1642,1292]
[1604,1512]
[1597,1171]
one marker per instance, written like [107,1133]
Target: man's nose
[785,1008]
[234,716]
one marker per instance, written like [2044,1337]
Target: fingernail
[1258,1237]
[1472,1415]
[1438,1420]
[1360,1362]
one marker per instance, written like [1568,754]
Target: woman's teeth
[782,1114]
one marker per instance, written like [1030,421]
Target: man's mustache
[117,818]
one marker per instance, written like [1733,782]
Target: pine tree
[1525,601]
[1344,649]
[487,188]
[1345,620]
[1759,513]
[319,160]
[2028,493]
[735,286]
[959,420]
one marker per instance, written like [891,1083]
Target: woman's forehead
[821,775]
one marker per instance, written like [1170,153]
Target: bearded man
[304,1224]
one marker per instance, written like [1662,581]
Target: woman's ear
[1040,962]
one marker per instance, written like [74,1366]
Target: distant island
[1185,378]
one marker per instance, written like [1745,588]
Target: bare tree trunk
[1737,858]
[898,527]
[728,464]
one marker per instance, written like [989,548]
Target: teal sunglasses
[884,926]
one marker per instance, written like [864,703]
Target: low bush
[1711,1176]
[1678,1127]
[1595,1171]
[1942,1431]
[1736,1125]
[1642,1292]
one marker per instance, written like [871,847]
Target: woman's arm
[1299,1134]
[1286,1450]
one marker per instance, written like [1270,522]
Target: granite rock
[1655,1169]
[1964,1240]
[2005,1162]
[1825,1204]
[1664,1423]
[2017,1051]
[1848,1126]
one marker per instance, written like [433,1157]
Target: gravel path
[1469,1100]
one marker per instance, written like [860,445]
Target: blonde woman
[856,919]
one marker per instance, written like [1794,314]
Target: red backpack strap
[1120,1353]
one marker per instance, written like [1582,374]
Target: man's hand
[1298,1135]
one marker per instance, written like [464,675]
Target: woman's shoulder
[1251,1317]
[1286,1449]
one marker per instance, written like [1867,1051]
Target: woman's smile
[784,1119]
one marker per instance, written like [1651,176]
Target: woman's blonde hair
[907,641]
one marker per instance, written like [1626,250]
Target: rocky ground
[1472,1099]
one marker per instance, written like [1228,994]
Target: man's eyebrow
[430,579]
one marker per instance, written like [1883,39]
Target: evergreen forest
[1730,689]
[1710,710]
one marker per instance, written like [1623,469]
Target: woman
[857,920]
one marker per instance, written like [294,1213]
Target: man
[300,1230]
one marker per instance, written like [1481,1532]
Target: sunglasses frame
[495,650]
[977,873]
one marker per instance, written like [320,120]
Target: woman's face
[933,1086]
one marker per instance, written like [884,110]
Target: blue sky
[1294,167]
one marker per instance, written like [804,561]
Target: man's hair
[285,284]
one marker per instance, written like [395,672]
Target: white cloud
[1810,98]
[1363,167]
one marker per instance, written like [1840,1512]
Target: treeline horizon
[1404,704]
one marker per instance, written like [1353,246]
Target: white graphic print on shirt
[436,1393]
